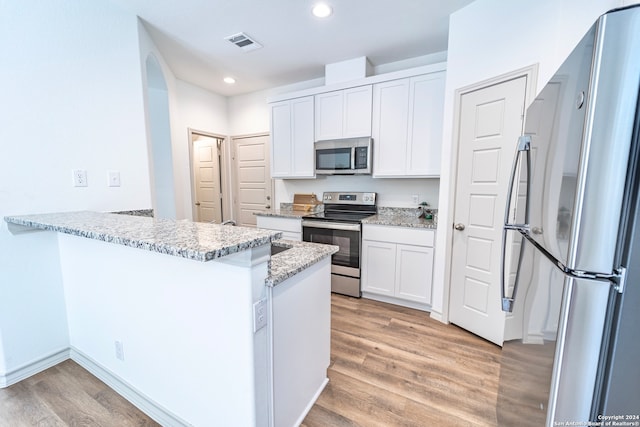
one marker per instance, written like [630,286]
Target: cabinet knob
[197,203]
[459,226]
[267,207]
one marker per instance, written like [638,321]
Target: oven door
[344,235]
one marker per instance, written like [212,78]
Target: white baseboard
[312,402]
[439,317]
[136,398]
[397,301]
[33,367]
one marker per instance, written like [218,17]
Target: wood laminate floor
[390,366]
[394,366]
[67,395]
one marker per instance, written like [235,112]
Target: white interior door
[254,189]
[207,180]
[491,120]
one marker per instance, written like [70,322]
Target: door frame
[225,182]
[531,74]
[234,169]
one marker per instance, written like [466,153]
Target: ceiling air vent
[244,42]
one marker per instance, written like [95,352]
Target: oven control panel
[352,198]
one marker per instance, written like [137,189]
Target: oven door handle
[331,225]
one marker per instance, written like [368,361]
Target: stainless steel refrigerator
[571,241]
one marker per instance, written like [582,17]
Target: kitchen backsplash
[390,192]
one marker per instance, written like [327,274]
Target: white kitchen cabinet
[291,227]
[292,138]
[397,264]
[343,113]
[407,126]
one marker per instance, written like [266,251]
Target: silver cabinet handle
[459,226]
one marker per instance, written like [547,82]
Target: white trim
[34,367]
[438,316]
[135,397]
[425,69]
[312,402]
[531,74]
[397,301]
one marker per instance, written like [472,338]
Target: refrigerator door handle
[524,147]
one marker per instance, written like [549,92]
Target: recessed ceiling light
[321,10]
[229,80]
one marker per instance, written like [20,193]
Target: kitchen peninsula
[194,323]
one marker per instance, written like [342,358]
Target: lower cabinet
[397,264]
[291,227]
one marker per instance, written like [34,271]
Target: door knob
[459,226]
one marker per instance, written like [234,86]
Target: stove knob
[327,197]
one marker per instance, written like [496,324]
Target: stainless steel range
[341,224]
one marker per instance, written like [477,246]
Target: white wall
[198,109]
[70,82]
[489,38]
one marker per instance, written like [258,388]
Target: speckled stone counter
[283,213]
[299,256]
[402,217]
[193,240]
[286,211]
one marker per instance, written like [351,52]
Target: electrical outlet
[113,178]
[79,178]
[119,350]
[415,198]
[259,314]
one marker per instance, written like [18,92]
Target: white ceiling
[190,35]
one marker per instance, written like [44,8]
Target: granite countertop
[299,257]
[402,217]
[283,213]
[183,238]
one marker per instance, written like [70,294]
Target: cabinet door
[357,112]
[329,115]
[292,138]
[302,137]
[378,267]
[281,142]
[426,109]
[414,273]
[390,127]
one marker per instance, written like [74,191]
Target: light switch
[113,178]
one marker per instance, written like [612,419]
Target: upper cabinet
[407,126]
[292,138]
[343,113]
[402,111]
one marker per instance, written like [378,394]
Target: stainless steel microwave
[350,156]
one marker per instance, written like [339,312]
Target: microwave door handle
[353,158]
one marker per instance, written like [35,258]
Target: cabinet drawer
[292,225]
[403,235]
